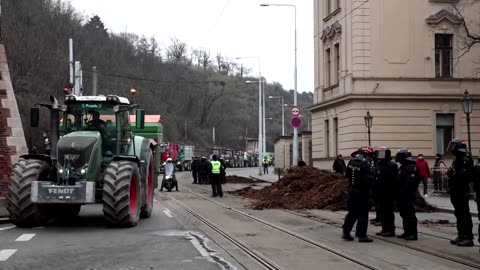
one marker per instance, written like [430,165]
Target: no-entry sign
[296,122]
[295,111]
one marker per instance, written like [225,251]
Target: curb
[260,179]
[450,211]
[4,220]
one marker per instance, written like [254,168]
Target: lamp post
[283,113]
[260,116]
[467,103]
[368,123]
[263,142]
[295,130]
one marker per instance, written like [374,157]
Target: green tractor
[95,157]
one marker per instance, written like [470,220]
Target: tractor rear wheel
[147,209]
[23,212]
[121,194]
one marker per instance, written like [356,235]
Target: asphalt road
[167,240]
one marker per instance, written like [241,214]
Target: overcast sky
[236,28]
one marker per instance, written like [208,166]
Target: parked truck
[185,157]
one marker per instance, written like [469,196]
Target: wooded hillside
[184,84]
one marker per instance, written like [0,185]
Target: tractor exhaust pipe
[54,127]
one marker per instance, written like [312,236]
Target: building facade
[404,61]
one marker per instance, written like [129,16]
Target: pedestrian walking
[195,167]
[439,170]
[408,183]
[424,172]
[386,172]
[265,165]
[360,178]
[460,176]
[215,177]
[339,165]
[476,185]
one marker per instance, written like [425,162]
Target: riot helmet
[214,157]
[383,153]
[403,155]
[456,146]
[363,152]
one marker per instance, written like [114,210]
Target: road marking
[6,253]
[168,213]
[25,237]
[6,228]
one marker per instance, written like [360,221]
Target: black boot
[380,233]
[365,239]
[412,237]
[388,234]
[465,243]
[456,240]
[347,237]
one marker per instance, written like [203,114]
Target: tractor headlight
[168,177]
[60,171]
[83,170]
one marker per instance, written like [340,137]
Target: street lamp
[295,132]
[283,112]
[260,115]
[368,123]
[467,103]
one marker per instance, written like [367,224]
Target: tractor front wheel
[121,194]
[23,212]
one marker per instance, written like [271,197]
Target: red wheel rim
[133,195]
[150,182]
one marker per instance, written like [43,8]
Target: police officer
[202,171]
[476,183]
[408,181]
[223,172]
[360,175]
[460,175]
[195,167]
[386,172]
[265,165]
[215,173]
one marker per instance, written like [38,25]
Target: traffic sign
[296,122]
[295,111]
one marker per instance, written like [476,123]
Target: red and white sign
[295,111]
[296,122]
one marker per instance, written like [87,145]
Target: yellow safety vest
[216,166]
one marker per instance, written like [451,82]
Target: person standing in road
[386,172]
[424,172]
[223,172]
[360,175]
[265,165]
[203,171]
[408,179]
[460,175]
[339,165]
[439,169]
[215,176]
[195,166]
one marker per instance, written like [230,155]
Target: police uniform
[216,178]
[460,175]
[360,175]
[408,180]
[386,172]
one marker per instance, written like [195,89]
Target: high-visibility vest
[216,166]
[265,161]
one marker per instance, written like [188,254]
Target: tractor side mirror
[140,119]
[34,117]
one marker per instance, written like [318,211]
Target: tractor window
[93,116]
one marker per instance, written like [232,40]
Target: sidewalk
[442,204]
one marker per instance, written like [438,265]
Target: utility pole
[185,131]
[70,60]
[213,133]
[94,81]
[78,79]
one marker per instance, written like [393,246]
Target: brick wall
[12,138]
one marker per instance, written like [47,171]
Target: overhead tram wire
[343,17]
[154,80]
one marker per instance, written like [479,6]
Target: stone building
[404,61]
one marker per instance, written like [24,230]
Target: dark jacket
[339,165]
[409,178]
[360,175]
